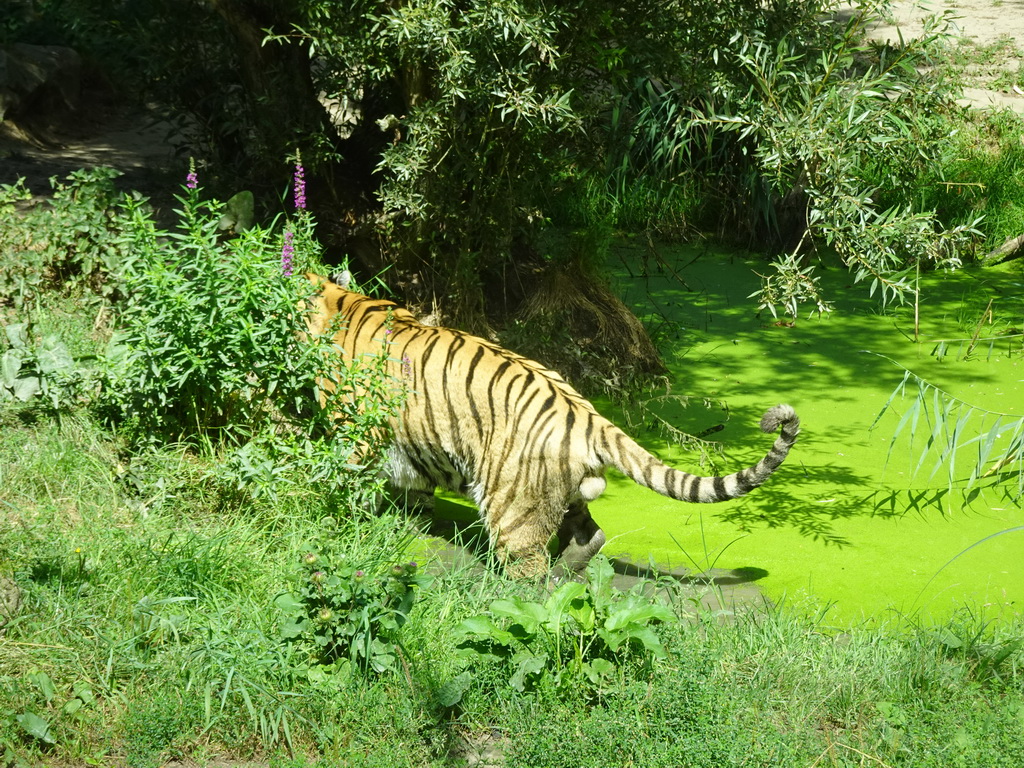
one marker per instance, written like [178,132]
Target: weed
[152,729]
[577,637]
[351,611]
[210,350]
[45,370]
[74,240]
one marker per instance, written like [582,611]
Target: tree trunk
[1009,250]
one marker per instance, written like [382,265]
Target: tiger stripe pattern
[510,434]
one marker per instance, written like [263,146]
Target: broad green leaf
[10,365]
[35,727]
[583,613]
[529,666]
[529,614]
[613,640]
[17,335]
[482,627]
[650,641]
[558,604]
[450,694]
[292,629]
[43,682]
[597,668]
[27,387]
[54,356]
[625,616]
[288,603]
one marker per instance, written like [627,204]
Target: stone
[38,82]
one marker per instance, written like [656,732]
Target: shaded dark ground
[102,132]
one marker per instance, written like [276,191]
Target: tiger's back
[509,433]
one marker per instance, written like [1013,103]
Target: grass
[995,65]
[143,620]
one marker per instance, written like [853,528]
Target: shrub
[72,240]
[210,349]
[347,610]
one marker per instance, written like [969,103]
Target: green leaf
[650,641]
[54,357]
[599,580]
[625,615]
[450,694]
[598,669]
[288,603]
[558,605]
[613,640]
[43,682]
[530,666]
[27,387]
[35,727]
[17,335]
[292,629]
[526,613]
[10,365]
[583,613]
[483,627]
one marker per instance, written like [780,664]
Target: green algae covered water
[846,524]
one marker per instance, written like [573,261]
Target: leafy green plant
[347,611]
[151,730]
[980,173]
[973,444]
[73,240]
[46,370]
[211,349]
[577,636]
[821,128]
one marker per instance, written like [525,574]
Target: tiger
[508,433]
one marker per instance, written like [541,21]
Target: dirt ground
[992,26]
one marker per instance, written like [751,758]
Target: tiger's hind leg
[579,538]
[520,531]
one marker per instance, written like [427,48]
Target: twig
[986,315]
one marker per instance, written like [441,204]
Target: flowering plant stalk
[210,351]
[302,225]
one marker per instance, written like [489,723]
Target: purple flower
[300,187]
[287,252]
[192,180]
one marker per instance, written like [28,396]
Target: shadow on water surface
[466,545]
[824,353]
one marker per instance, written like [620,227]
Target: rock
[38,82]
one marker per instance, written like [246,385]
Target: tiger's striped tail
[648,471]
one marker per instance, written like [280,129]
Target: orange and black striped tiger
[510,434]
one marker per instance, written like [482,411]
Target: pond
[846,525]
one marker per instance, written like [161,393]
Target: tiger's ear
[344,279]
